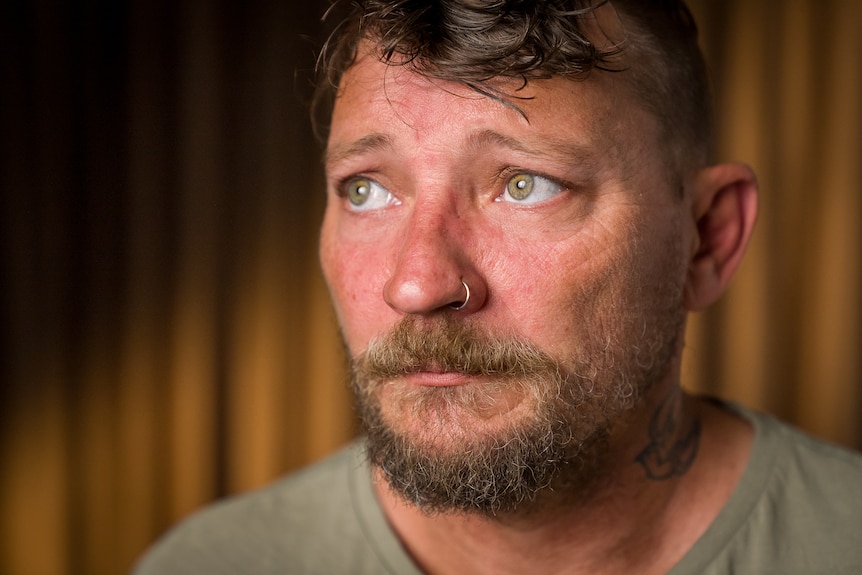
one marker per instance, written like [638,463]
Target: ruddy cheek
[363,313]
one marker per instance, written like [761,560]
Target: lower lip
[434,379]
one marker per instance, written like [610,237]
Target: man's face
[563,223]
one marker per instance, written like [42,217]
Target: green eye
[365,195]
[520,186]
[526,189]
[358,192]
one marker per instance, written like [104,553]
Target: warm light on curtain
[167,335]
[786,339]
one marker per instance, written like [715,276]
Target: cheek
[355,278]
[570,305]
[565,293]
[543,291]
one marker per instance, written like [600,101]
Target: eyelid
[341,172]
[342,187]
[341,184]
[506,174]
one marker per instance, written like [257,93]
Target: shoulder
[820,470]
[796,509]
[815,483]
[810,511]
[291,526]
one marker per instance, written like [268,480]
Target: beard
[525,424]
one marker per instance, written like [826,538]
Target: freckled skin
[559,272]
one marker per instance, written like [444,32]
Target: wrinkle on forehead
[572,120]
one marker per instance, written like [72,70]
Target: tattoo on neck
[671,450]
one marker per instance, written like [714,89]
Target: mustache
[446,345]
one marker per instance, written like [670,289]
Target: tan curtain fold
[786,338]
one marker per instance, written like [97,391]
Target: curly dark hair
[474,42]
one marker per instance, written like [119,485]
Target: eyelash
[341,184]
[507,173]
[502,176]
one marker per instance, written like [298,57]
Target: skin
[609,229]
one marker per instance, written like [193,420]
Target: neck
[655,497]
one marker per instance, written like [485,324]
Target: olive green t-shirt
[797,510]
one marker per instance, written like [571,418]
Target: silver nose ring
[463,304]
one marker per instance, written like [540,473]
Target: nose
[433,270]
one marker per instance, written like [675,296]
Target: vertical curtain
[166,334]
[786,339]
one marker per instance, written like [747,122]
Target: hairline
[643,58]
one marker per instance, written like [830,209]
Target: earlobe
[724,206]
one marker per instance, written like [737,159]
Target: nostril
[459,305]
[426,295]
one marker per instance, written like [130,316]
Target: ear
[724,206]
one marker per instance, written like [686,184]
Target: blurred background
[167,337]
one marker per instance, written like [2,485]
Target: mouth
[430,377]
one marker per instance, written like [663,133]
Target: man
[521,211]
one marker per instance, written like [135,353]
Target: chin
[470,449]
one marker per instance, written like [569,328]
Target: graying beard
[557,453]
[496,474]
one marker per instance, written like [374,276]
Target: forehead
[378,104]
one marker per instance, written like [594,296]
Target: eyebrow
[369,143]
[560,150]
